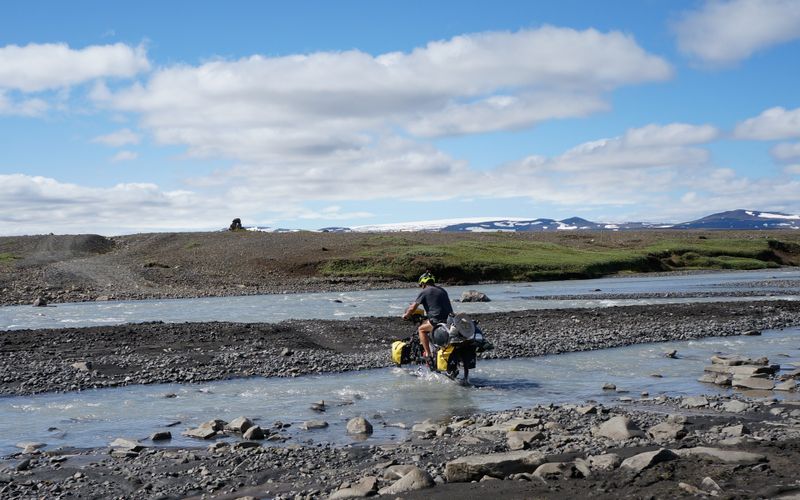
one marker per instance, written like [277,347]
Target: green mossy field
[513,259]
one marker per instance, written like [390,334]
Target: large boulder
[239,424]
[364,488]
[753,383]
[638,463]
[557,470]
[667,431]
[499,465]
[359,425]
[474,296]
[415,479]
[618,428]
[725,456]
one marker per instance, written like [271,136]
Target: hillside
[90,267]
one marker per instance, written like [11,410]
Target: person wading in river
[436,302]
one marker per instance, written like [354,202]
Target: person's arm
[410,310]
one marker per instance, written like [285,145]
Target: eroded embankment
[34,361]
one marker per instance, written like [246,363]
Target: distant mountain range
[733,219]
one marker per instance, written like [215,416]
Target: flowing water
[343,305]
[385,396]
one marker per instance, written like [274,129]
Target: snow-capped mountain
[734,219]
[744,219]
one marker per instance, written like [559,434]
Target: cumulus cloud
[727,31]
[35,203]
[265,109]
[24,107]
[119,138]
[772,124]
[124,156]
[792,169]
[786,151]
[38,67]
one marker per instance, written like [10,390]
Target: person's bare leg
[424,330]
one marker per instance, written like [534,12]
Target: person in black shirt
[436,302]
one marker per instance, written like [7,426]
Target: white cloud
[24,107]
[792,169]
[727,31]
[38,67]
[786,151]
[124,156]
[267,109]
[30,204]
[772,124]
[119,138]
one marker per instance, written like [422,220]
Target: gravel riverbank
[647,448]
[35,361]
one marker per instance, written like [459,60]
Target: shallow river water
[343,305]
[385,396]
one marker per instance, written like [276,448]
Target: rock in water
[474,296]
[39,302]
[359,425]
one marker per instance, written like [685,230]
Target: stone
[215,425]
[735,430]
[500,465]
[127,445]
[609,387]
[288,352]
[607,461]
[725,456]
[39,302]
[753,383]
[710,485]
[667,431]
[694,402]
[245,445]
[587,410]
[239,424]
[723,379]
[427,427]
[415,479]
[557,470]
[395,472]
[730,360]
[519,440]
[314,424]
[748,370]
[30,446]
[254,432]
[708,378]
[82,366]
[200,433]
[735,406]
[671,354]
[787,385]
[363,488]
[474,296]
[236,225]
[359,425]
[318,406]
[638,463]
[161,436]
[618,428]
[692,490]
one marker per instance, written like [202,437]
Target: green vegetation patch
[6,257]
[524,260]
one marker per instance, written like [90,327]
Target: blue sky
[158,116]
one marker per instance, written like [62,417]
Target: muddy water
[386,397]
[505,297]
